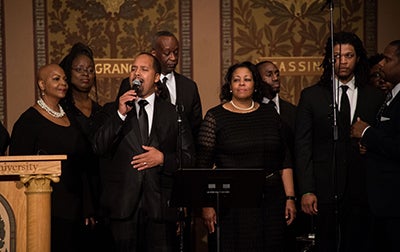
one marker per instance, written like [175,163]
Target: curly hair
[226,95]
[361,71]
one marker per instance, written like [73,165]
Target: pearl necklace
[243,109]
[51,112]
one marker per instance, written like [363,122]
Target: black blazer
[118,141]
[187,96]
[314,143]
[288,113]
[383,156]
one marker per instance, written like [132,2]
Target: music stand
[233,188]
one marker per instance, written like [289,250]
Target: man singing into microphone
[137,141]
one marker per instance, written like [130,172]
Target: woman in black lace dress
[244,133]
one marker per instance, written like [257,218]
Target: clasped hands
[357,130]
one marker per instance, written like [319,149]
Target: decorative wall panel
[2,67]
[291,33]
[115,30]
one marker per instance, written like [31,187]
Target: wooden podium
[25,197]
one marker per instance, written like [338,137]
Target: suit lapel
[360,104]
[393,104]
[153,138]
[178,87]
[133,131]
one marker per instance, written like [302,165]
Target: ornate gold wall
[291,33]
[115,30]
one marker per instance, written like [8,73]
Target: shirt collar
[168,75]
[351,84]
[150,99]
[395,90]
[275,99]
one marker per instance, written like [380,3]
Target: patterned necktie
[383,107]
[143,121]
[345,109]
[165,90]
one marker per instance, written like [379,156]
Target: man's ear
[157,78]
[153,52]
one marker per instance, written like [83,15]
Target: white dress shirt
[149,109]
[276,100]
[352,93]
[171,85]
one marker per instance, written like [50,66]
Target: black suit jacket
[288,113]
[383,161]
[118,141]
[187,97]
[315,146]
[187,94]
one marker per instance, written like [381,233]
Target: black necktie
[165,90]
[271,102]
[143,121]
[345,109]
[382,108]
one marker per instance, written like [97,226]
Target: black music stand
[241,188]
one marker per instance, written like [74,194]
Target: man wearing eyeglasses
[330,169]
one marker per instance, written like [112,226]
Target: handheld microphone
[135,85]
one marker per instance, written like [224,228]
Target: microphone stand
[181,210]
[335,87]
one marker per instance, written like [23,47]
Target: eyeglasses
[82,70]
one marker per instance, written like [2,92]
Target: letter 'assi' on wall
[296,65]
[287,65]
[110,72]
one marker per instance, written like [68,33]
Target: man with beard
[329,167]
[137,141]
[270,76]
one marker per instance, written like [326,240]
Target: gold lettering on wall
[106,68]
[296,65]
[113,67]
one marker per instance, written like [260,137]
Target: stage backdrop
[115,30]
[291,33]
